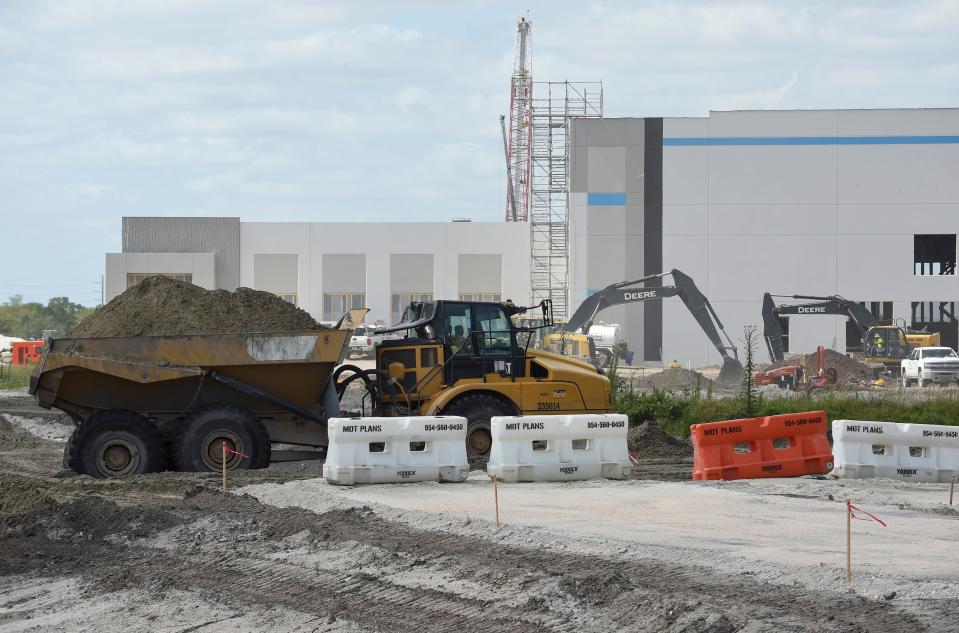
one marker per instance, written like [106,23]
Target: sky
[380,110]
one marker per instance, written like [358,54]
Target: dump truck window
[456,326]
[493,331]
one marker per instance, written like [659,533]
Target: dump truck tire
[114,443]
[478,409]
[197,445]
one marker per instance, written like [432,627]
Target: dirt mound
[12,437]
[87,518]
[649,440]
[160,306]
[677,379]
[847,368]
[19,493]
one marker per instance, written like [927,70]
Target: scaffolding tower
[553,103]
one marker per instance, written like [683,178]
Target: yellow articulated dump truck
[150,403]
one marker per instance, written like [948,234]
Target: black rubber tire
[191,446]
[138,440]
[478,409]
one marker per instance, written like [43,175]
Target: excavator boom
[637,290]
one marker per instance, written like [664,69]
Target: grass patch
[15,376]
[676,412]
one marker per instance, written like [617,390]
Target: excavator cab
[885,342]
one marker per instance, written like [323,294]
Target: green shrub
[676,412]
[15,376]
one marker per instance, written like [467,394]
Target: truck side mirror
[397,371]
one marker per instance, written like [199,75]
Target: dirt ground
[286,551]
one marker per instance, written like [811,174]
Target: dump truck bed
[280,374]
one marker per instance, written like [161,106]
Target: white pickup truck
[363,342]
[930,364]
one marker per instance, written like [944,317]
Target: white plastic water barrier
[392,450]
[910,452]
[559,447]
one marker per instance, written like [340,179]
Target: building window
[934,254]
[336,304]
[289,297]
[477,296]
[400,300]
[135,278]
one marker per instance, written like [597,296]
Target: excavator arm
[832,304]
[635,291]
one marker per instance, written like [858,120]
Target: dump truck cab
[468,358]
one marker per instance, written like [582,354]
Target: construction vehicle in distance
[148,403]
[636,291]
[796,378]
[601,343]
[885,345]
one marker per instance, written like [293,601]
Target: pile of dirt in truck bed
[847,368]
[649,440]
[160,306]
[676,379]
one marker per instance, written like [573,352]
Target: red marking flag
[863,516]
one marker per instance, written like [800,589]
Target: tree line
[28,319]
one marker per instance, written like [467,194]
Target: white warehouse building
[859,203]
[326,267]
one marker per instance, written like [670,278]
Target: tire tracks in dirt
[384,575]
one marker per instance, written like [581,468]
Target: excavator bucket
[732,371]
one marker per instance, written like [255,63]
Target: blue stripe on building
[809,140]
[606,199]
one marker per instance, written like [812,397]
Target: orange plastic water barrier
[775,446]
